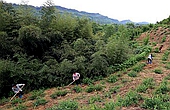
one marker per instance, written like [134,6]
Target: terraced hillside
[143,86]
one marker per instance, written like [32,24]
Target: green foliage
[158,71]
[165,56]
[154,43]
[163,39]
[109,106]
[40,101]
[163,88]
[132,74]
[147,83]
[132,97]
[59,93]
[156,50]
[157,102]
[92,88]
[117,50]
[77,89]
[112,79]
[3,101]
[167,66]
[94,99]
[138,67]
[115,89]
[87,81]
[16,101]
[130,62]
[146,40]
[167,77]
[36,94]
[20,107]
[67,105]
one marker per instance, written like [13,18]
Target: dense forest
[43,51]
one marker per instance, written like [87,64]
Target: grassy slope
[125,82]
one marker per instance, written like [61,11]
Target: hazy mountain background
[96,17]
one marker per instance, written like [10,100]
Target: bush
[58,93]
[163,88]
[115,89]
[165,56]
[141,88]
[158,71]
[132,74]
[87,81]
[109,106]
[40,101]
[157,102]
[67,105]
[20,107]
[36,94]
[138,67]
[16,101]
[77,89]
[112,79]
[167,66]
[156,50]
[130,98]
[94,99]
[92,88]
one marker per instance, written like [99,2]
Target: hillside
[122,86]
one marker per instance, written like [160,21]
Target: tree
[117,50]
[47,15]
[29,39]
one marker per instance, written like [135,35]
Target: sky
[135,10]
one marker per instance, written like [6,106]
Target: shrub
[154,43]
[146,40]
[36,94]
[163,88]
[163,39]
[142,88]
[157,102]
[158,71]
[156,50]
[94,99]
[112,79]
[40,101]
[167,66]
[132,74]
[77,89]
[20,107]
[67,105]
[109,106]
[115,89]
[92,88]
[3,101]
[58,93]
[165,56]
[87,81]
[132,97]
[167,77]
[16,101]
[138,67]
[149,82]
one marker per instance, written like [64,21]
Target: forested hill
[96,17]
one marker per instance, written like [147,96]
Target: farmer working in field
[76,77]
[150,58]
[17,90]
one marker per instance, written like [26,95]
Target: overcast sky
[134,10]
